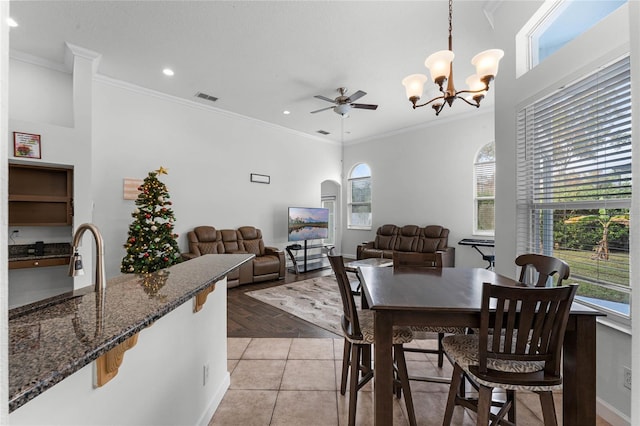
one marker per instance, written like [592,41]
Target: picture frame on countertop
[26,145]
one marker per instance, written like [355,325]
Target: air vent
[323,132]
[206,97]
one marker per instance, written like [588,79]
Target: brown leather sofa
[269,263]
[408,238]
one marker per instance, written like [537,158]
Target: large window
[574,183]
[360,197]
[484,176]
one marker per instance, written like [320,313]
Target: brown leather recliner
[204,240]
[381,246]
[269,263]
[409,238]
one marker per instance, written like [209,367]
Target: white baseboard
[215,401]
[611,414]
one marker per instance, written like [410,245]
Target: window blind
[575,145]
[574,181]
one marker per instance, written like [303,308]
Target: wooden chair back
[350,323]
[413,260]
[545,266]
[527,324]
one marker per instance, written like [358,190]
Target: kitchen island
[165,359]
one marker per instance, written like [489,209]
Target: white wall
[605,42]
[209,155]
[42,95]
[414,176]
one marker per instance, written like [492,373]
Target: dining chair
[358,330]
[524,355]
[415,261]
[545,267]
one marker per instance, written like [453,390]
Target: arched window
[360,197]
[484,177]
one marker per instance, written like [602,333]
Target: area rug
[316,300]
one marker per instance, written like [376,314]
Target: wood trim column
[107,365]
[201,297]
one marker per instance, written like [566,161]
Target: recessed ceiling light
[11,22]
[168,71]
[286,112]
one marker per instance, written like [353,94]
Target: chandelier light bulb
[414,85]
[475,84]
[439,65]
[486,63]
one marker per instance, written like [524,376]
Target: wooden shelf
[40,196]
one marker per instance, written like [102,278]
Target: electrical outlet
[627,377]
[205,374]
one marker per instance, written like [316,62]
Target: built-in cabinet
[40,196]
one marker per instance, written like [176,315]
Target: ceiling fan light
[414,85]
[439,65]
[343,109]
[486,63]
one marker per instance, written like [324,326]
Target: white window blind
[484,178]
[574,181]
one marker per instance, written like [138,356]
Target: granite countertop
[52,339]
[51,251]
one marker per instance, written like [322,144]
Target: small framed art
[26,145]
[260,178]
[131,188]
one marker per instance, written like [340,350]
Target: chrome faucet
[75,266]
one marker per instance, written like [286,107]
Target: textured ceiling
[263,57]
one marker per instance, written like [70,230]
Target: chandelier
[440,65]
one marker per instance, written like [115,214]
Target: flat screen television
[308,223]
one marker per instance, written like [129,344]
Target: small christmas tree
[151,244]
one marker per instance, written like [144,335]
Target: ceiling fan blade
[357,95]
[324,98]
[323,109]
[364,106]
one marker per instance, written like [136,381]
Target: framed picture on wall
[26,145]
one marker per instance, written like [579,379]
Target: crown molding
[192,104]
[36,60]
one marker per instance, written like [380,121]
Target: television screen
[307,223]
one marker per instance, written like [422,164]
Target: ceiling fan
[344,103]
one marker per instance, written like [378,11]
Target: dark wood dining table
[452,297]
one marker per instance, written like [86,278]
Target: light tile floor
[297,382]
